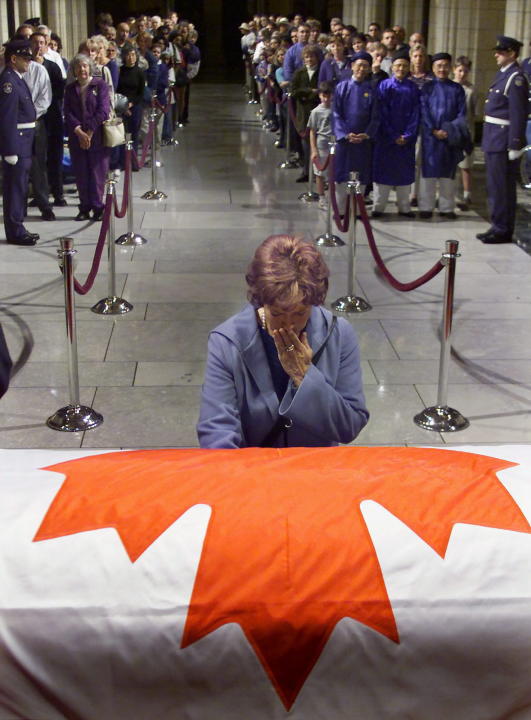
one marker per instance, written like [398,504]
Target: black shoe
[97,214]
[409,214]
[495,239]
[26,239]
[47,214]
[368,201]
[414,202]
[33,203]
[36,236]
[60,202]
[377,214]
[425,214]
[302,178]
[483,235]
[448,215]
[82,215]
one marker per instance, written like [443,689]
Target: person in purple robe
[394,149]
[355,118]
[444,135]
[86,106]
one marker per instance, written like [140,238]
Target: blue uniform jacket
[355,109]
[16,107]
[442,102]
[399,103]
[507,100]
[239,405]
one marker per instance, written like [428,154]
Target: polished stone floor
[143,370]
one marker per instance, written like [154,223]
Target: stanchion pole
[328,239]
[309,195]
[112,304]
[440,417]
[73,417]
[130,237]
[154,194]
[288,163]
[352,303]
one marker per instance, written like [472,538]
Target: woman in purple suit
[86,107]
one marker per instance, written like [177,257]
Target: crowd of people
[120,70]
[400,117]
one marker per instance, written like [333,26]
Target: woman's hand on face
[298,358]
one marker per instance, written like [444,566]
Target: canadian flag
[351,582]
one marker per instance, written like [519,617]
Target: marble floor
[143,370]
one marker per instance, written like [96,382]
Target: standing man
[17,128]
[394,149]
[293,60]
[444,135]
[355,119]
[504,139]
[38,81]
[390,42]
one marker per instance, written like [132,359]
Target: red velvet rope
[403,287]
[145,148]
[125,199]
[342,226]
[84,289]
[294,120]
[164,108]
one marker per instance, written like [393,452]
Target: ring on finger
[290,348]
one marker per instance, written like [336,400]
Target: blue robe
[354,109]
[442,103]
[239,404]
[331,72]
[399,104]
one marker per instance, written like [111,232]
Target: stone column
[68,18]
[362,12]
[518,23]
[468,29]
[407,13]
[28,9]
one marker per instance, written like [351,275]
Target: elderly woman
[283,372]
[86,107]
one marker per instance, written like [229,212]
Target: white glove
[515,154]
[11,159]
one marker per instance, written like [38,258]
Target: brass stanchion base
[309,197]
[441,418]
[168,142]
[130,238]
[328,240]
[154,195]
[351,304]
[112,306]
[74,418]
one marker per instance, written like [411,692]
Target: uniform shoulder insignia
[519,81]
[7,87]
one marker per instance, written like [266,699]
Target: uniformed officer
[504,139]
[17,130]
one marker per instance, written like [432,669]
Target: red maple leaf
[287,554]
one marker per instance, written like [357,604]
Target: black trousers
[55,161]
[39,166]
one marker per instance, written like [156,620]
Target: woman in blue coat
[283,372]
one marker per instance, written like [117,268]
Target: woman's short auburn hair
[287,270]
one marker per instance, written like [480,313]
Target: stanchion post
[441,417]
[288,163]
[73,417]
[130,237]
[112,304]
[309,195]
[154,193]
[328,239]
[352,303]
